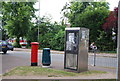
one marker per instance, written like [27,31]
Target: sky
[52,8]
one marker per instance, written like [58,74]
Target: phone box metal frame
[76,49]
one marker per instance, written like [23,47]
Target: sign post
[118,43]
[94,58]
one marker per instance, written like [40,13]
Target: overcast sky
[53,7]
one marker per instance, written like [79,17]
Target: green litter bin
[46,58]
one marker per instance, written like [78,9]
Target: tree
[18,17]
[4,34]
[110,21]
[57,42]
[90,15]
[51,35]
[48,34]
[32,35]
[110,26]
[105,42]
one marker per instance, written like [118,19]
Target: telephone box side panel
[83,50]
[65,50]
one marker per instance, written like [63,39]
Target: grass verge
[100,80]
[110,52]
[38,71]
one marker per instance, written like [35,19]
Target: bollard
[34,53]
[46,59]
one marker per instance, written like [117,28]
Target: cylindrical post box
[46,58]
[34,53]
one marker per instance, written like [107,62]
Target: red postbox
[34,53]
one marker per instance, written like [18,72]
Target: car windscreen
[4,43]
[0,43]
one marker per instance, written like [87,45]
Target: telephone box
[76,49]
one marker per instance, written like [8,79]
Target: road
[22,58]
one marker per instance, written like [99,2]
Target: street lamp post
[38,20]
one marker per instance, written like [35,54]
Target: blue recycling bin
[46,58]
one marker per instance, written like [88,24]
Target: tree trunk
[17,42]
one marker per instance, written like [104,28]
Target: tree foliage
[17,22]
[51,35]
[104,42]
[90,15]
[17,18]
[110,27]
[111,21]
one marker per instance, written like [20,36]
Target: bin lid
[34,43]
[46,48]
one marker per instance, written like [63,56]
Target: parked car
[0,45]
[10,47]
[6,46]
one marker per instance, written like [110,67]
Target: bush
[16,45]
[104,42]
[57,42]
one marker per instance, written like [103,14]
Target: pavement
[10,64]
